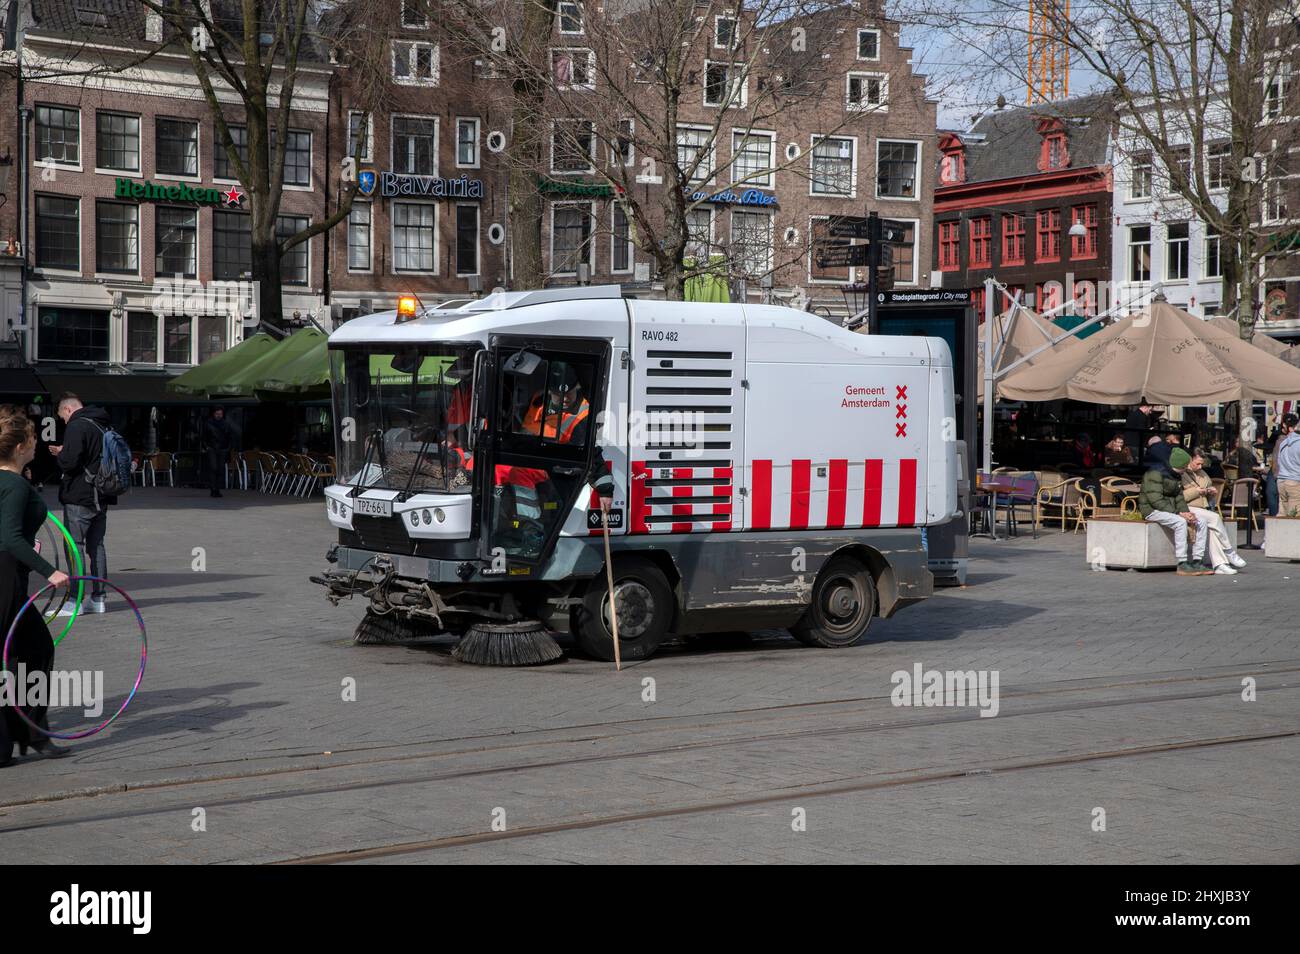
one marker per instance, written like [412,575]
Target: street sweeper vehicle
[763,468]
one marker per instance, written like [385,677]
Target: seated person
[1200,492]
[1161,501]
[1116,454]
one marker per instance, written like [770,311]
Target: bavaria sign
[391,184]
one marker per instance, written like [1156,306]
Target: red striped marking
[761,511]
[875,482]
[907,492]
[722,490]
[837,498]
[800,494]
[636,494]
[686,490]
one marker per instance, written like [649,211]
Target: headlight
[415,518]
[343,511]
[438,514]
[428,518]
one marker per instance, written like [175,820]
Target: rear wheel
[644,602]
[843,602]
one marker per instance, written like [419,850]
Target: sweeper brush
[525,643]
[375,629]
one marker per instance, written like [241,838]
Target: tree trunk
[528,138]
[266,272]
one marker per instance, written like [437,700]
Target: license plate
[374,508]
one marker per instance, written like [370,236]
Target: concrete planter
[1282,538]
[1115,544]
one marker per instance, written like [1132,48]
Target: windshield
[402,415]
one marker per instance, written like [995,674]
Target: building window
[58,232]
[1048,296]
[117,237]
[724,84]
[570,237]
[141,338]
[360,136]
[622,151]
[232,245]
[73,334]
[1054,155]
[1277,86]
[1139,184]
[178,331]
[573,69]
[415,64]
[896,165]
[831,164]
[222,167]
[1084,246]
[212,336]
[1275,204]
[297,157]
[176,150]
[1177,247]
[866,92]
[573,146]
[176,239]
[620,255]
[1182,166]
[570,17]
[413,15]
[953,169]
[117,142]
[751,158]
[414,237]
[467,143]
[1085,298]
[1049,236]
[1213,261]
[949,246]
[1013,239]
[981,242]
[905,258]
[694,145]
[293,263]
[1139,253]
[725,35]
[58,135]
[699,234]
[415,146]
[359,241]
[751,243]
[1219,165]
[467,240]
[977,301]
[868,44]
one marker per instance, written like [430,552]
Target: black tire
[645,607]
[843,603]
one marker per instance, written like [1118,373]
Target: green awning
[308,372]
[709,285]
[1069,322]
[198,381]
[243,381]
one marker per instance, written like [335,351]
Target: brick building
[1011,190]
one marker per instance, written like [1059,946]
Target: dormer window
[1055,154]
[952,167]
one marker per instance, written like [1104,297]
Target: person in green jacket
[1161,501]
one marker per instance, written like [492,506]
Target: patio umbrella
[1018,332]
[199,380]
[1162,354]
[308,372]
[1288,353]
[244,381]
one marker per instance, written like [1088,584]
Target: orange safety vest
[562,425]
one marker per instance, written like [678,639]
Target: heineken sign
[179,192]
[390,184]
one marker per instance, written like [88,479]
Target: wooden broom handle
[609,574]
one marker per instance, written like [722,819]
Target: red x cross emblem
[902,392]
[900,430]
[900,411]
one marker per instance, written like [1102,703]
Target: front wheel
[644,603]
[843,602]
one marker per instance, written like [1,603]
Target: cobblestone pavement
[1118,691]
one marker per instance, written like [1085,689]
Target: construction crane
[1049,54]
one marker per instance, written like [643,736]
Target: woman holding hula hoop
[22,513]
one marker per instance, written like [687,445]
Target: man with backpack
[80,457]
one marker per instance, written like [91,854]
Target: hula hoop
[139,676]
[72,547]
